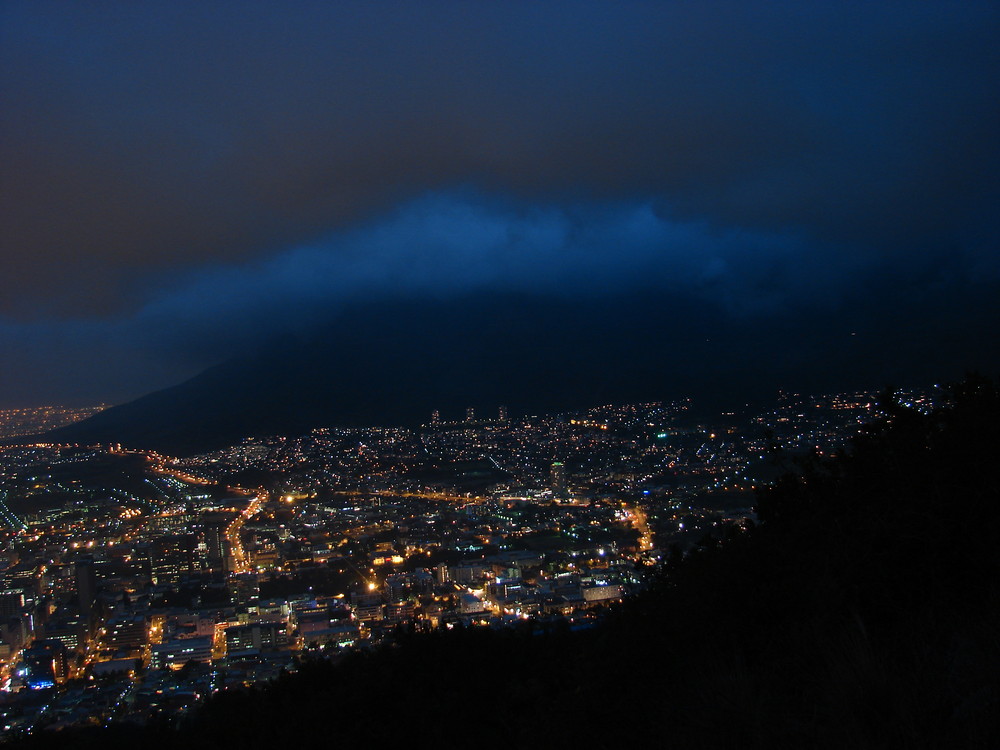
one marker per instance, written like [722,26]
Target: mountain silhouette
[396,363]
[393,363]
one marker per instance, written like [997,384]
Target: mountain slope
[394,364]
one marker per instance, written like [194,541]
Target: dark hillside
[532,354]
[393,364]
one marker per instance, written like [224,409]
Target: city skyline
[137,585]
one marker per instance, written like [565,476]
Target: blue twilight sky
[180,182]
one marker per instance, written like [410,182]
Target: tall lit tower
[557,480]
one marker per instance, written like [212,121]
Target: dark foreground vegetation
[864,611]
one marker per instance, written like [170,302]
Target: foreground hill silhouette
[863,612]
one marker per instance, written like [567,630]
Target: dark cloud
[769,303]
[177,179]
[457,243]
[446,246]
[140,138]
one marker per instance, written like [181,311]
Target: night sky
[812,185]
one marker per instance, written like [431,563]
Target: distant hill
[395,364]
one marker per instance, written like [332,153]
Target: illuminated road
[232,533]
[440,496]
[637,516]
[15,523]
[242,565]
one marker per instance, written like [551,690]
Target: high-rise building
[11,603]
[470,414]
[45,664]
[175,654]
[263,636]
[70,629]
[435,416]
[172,558]
[86,585]
[217,544]
[125,632]
[557,479]
[503,413]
